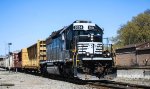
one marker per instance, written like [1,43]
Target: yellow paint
[25,58]
[33,54]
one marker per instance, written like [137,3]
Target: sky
[23,22]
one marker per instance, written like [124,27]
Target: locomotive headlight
[92,37]
[87,53]
[108,54]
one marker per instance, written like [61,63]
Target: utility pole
[9,54]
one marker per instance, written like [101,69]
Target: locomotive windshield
[87,32]
[85,35]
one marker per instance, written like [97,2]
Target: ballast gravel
[18,80]
[145,82]
[13,80]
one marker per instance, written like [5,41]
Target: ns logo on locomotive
[78,51]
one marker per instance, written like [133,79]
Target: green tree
[135,31]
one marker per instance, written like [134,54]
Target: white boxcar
[9,62]
[2,61]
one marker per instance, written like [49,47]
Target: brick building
[136,55]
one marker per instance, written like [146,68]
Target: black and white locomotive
[78,51]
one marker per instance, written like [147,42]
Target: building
[133,61]
[135,55]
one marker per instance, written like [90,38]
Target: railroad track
[99,84]
[106,84]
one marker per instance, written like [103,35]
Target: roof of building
[138,45]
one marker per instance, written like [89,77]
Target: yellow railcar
[24,57]
[32,55]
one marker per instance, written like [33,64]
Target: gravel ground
[18,80]
[27,81]
[134,81]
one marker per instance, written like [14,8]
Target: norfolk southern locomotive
[78,51]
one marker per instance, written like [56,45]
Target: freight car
[2,61]
[30,57]
[18,61]
[78,51]
[8,61]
